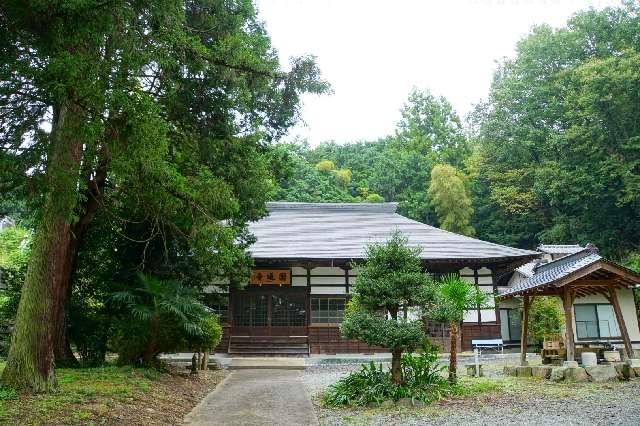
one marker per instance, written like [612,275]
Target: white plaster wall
[627,306]
[327,270]
[485,284]
[510,304]
[299,281]
[298,270]
[328,290]
[336,280]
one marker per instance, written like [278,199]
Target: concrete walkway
[256,397]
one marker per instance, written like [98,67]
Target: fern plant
[159,316]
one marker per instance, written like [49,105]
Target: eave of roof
[563,269]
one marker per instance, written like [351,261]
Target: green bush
[373,385]
[7,394]
[546,316]
[209,337]
[89,330]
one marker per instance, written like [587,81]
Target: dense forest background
[552,156]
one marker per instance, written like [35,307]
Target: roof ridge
[334,207]
[587,251]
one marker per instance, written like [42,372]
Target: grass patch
[474,386]
[79,388]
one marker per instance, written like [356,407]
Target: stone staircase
[265,346]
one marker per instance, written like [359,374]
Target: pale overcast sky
[374,51]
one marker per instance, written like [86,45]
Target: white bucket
[589,359]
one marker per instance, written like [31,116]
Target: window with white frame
[510,325]
[327,310]
[595,321]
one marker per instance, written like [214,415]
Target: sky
[373,52]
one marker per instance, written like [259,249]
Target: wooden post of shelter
[613,299]
[567,302]
[525,329]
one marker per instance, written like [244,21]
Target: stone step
[272,363]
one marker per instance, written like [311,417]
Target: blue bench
[488,344]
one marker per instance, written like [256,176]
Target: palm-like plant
[454,296]
[162,303]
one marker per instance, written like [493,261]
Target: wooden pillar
[567,302]
[525,329]
[613,298]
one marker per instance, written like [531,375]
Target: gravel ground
[518,401]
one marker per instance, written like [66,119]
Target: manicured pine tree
[390,281]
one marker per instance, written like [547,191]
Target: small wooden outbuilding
[580,274]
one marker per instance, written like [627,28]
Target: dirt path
[256,397]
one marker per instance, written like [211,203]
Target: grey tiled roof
[552,271]
[343,231]
[560,248]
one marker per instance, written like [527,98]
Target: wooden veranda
[599,277]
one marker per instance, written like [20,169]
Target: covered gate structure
[579,277]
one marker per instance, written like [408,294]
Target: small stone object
[387,403]
[541,371]
[633,362]
[623,370]
[194,364]
[405,402]
[634,367]
[611,356]
[589,359]
[557,374]
[602,373]
[570,364]
[471,370]
[576,374]
[523,371]
[509,370]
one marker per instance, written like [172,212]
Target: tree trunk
[30,363]
[396,367]
[194,364]
[62,352]
[93,195]
[205,360]
[453,353]
[151,351]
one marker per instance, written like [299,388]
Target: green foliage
[546,316]
[159,316]
[373,385]
[551,157]
[160,113]
[14,255]
[453,297]
[325,166]
[395,168]
[374,198]
[369,385]
[7,394]
[344,177]
[390,281]
[423,372]
[209,336]
[558,137]
[451,200]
